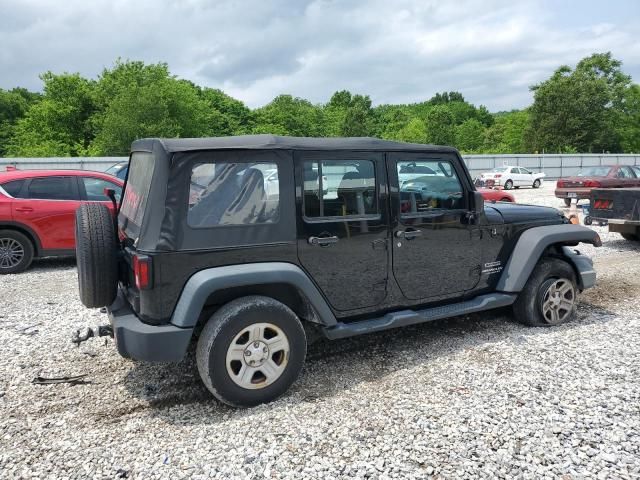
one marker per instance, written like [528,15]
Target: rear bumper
[581,193]
[140,341]
[623,226]
[583,266]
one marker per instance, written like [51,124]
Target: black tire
[528,308]
[505,199]
[567,202]
[225,326]
[508,185]
[631,237]
[587,220]
[536,183]
[16,252]
[96,254]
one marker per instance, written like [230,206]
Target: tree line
[593,107]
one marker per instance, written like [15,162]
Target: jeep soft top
[252,245]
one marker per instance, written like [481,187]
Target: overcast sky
[393,50]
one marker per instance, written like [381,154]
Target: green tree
[579,108]
[14,105]
[507,134]
[138,100]
[231,116]
[287,115]
[629,120]
[440,126]
[415,131]
[469,135]
[59,124]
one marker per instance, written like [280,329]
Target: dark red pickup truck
[579,186]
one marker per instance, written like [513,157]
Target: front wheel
[251,351]
[549,297]
[536,183]
[508,185]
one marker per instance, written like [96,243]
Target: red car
[496,195]
[579,186]
[37,212]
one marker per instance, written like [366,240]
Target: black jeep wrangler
[252,244]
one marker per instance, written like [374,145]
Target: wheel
[631,237]
[508,185]
[587,220]
[536,183]
[567,202]
[251,351]
[16,252]
[505,199]
[96,255]
[549,296]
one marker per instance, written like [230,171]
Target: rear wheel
[508,185]
[549,296]
[536,183]
[96,254]
[16,252]
[505,199]
[251,351]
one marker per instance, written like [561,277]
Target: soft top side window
[428,193]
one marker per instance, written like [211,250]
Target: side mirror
[478,203]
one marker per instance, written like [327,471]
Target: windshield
[594,172]
[137,191]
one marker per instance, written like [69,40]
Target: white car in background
[509,177]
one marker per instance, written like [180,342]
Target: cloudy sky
[395,51]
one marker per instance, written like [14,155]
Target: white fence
[554,166]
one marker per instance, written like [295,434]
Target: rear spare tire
[96,254]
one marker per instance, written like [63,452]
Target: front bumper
[140,341]
[583,266]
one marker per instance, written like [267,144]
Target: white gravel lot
[479,396]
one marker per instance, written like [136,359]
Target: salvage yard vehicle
[37,212]
[509,177]
[252,277]
[619,208]
[579,186]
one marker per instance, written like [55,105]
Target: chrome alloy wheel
[257,356]
[558,300]
[11,252]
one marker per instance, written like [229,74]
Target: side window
[439,191]
[636,170]
[624,172]
[13,188]
[233,194]
[339,188]
[53,188]
[525,171]
[94,188]
[515,170]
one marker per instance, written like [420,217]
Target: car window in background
[594,172]
[13,187]
[636,170]
[94,188]
[624,172]
[118,170]
[525,171]
[52,188]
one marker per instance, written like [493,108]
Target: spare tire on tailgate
[96,255]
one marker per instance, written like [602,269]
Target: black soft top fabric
[268,142]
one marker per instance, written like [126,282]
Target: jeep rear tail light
[603,204]
[142,271]
[592,183]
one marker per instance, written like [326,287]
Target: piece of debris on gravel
[476,396]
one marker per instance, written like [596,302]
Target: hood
[517,213]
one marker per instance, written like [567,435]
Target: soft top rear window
[136,191]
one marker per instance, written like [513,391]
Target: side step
[410,317]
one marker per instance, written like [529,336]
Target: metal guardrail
[555,166]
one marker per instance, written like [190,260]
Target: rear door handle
[323,241]
[24,209]
[408,234]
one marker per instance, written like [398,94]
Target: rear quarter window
[137,189]
[13,188]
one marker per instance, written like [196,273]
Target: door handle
[24,209]
[408,234]
[323,241]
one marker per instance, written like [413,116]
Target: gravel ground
[478,396]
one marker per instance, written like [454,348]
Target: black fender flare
[205,282]
[531,245]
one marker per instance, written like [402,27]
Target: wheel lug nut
[256,344]
[264,349]
[247,353]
